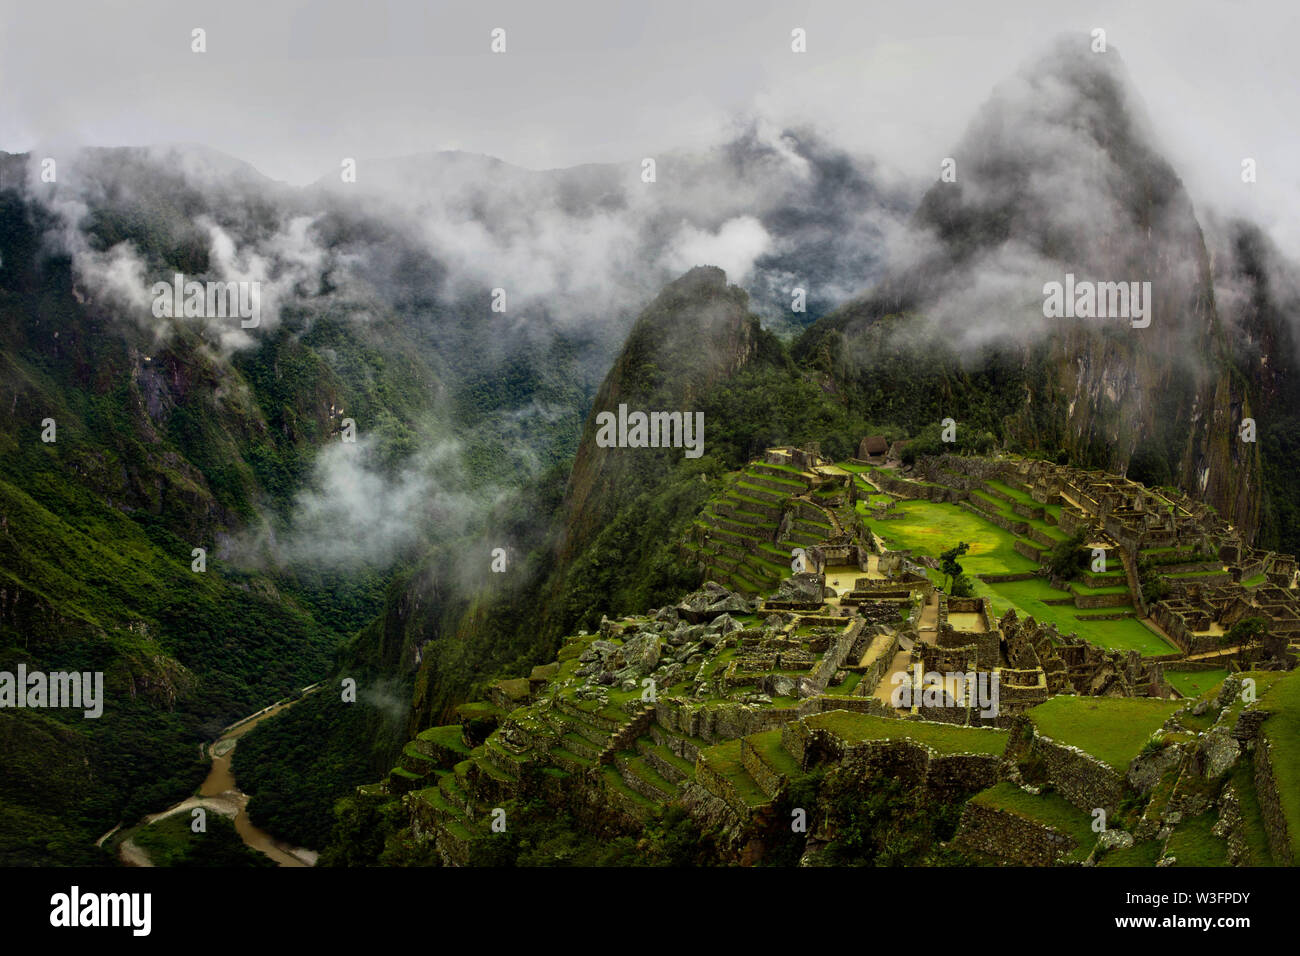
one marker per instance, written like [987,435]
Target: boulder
[642,652]
[782,686]
[724,625]
[731,604]
[599,650]
[1147,769]
[1115,840]
[806,587]
[1219,752]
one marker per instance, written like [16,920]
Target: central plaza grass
[941,738]
[1112,729]
[930,528]
[1196,683]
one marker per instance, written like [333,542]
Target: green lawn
[932,527]
[1027,598]
[1112,729]
[1139,854]
[1196,683]
[724,760]
[768,745]
[1012,493]
[941,738]
[1192,843]
[1252,818]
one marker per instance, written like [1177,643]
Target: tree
[948,563]
[1247,631]
[1066,557]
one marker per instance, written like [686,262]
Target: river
[220,794]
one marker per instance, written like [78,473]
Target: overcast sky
[292,87]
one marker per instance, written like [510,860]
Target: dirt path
[885,689]
[132,855]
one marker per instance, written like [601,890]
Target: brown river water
[220,784]
[220,794]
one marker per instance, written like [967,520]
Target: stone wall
[720,722]
[1270,803]
[1008,836]
[1079,777]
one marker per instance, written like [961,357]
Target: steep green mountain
[157,448]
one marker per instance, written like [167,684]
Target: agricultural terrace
[1112,729]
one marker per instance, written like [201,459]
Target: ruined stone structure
[719,702]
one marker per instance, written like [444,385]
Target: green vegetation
[1192,843]
[1195,683]
[889,824]
[1242,779]
[1067,558]
[1050,809]
[1142,854]
[1282,731]
[941,738]
[929,527]
[1112,729]
[295,765]
[171,842]
[949,567]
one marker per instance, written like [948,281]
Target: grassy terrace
[1282,731]
[1243,779]
[1192,843]
[724,760]
[1012,493]
[788,469]
[448,736]
[941,738]
[791,482]
[1139,854]
[1049,809]
[1112,729]
[768,745]
[1196,683]
[1264,683]
[1004,509]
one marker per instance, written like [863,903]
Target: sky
[293,87]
